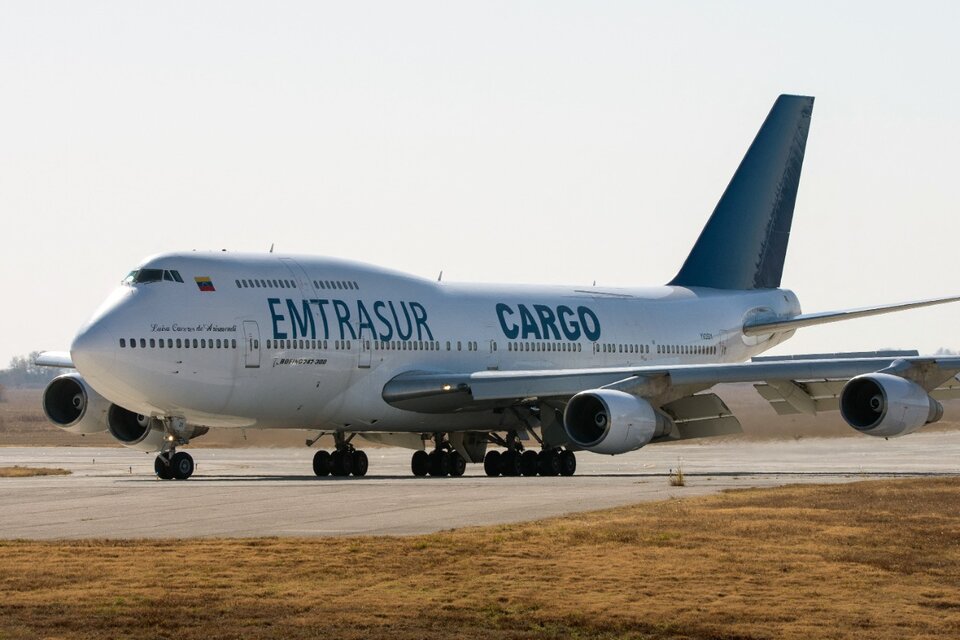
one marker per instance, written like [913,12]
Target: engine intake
[612,422]
[884,405]
[72,405]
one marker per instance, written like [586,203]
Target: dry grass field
[29,472]
[876,559]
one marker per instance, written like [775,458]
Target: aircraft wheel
[568,463]
[528,463]
[360,463]
[181,465]
[510,463]
[549,462]
[440,463]
[341,463]
[162,469]
[457,465]
[420,463]
[491,463]
[321,463]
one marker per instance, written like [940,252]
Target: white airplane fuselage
[304,342]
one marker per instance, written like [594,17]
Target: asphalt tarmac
[112,493]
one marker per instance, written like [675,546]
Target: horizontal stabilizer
[765,326]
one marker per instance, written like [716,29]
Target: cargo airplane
[193,341]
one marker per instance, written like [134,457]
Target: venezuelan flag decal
[205,283]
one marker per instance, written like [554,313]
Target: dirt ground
[878,559]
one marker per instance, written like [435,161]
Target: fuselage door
[251,341]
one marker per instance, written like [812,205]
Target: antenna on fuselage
[271,247]
[440,277]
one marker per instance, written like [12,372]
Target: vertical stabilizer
[744,243]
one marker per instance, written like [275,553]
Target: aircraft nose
[94,349]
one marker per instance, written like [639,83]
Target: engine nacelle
[73,406]
[884,405]
[143,432]
[612,422]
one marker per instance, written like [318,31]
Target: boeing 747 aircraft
[193,341]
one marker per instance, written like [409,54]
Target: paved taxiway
[271,492]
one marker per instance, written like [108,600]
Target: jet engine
[73,406]
[612,422]
[145,433]
[884,405]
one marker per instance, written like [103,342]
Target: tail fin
[744,243]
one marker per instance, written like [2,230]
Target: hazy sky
[553,142]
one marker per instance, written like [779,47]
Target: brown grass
[866,560]
[27,472]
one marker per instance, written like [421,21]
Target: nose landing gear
[173,465]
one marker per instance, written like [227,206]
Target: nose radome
[94,349]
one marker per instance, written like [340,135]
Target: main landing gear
[444,460]
[344,461]
[173,465]
[515,461]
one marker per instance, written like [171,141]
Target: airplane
[196,340]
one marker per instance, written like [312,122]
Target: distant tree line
[22,372]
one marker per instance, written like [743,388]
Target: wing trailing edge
[766,326]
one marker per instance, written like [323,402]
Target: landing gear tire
[162,469]
[528,463]
[457,465]
[568,463]
[181,465]
[491,463]
[360,463]
[321,463]
[341,463]
[440,463]
[420,463]
[549,462]
[510,463]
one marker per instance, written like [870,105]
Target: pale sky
[520,142]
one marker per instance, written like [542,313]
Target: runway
[112,493]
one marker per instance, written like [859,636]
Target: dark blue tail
[744,243]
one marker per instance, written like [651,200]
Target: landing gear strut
[444,460]
[173,465]
[344,461]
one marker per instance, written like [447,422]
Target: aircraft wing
[762,326]
[55,359]
[804,384]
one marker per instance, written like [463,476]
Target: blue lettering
[547,321]
[571,330]
[301,323]
[420,315]
[343,317]
[511,331]
[275,318]
[530,327]
[377,307]
[365,321]
[593,333]
[403,335]
[323,315]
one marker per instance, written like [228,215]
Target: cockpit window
[143,276]
[148,275]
